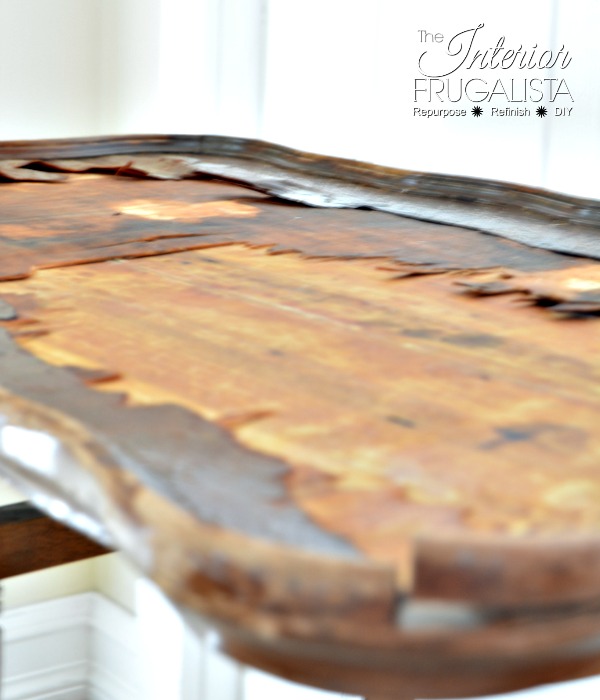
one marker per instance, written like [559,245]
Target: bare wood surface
[299,421]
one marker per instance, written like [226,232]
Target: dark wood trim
[18,512]
[30,540]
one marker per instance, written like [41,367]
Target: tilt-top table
[347,414]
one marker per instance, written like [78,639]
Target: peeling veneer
[312,435]
[128,476]
[106,218]
[568,292]
[186,455]
[532,216]
[307,360]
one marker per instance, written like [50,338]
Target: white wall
[340,79]
[49,67]
[73,68]
[574,148]
[332,76]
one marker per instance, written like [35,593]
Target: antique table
[347,414]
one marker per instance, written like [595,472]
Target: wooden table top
[314,425]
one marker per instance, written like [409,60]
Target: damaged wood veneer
[295,429]
[340,371]
[530,215]
[574,293]
[104,218]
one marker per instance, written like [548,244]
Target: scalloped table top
[307,419]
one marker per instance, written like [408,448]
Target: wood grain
[36,542]
[104,218]
[404,410]
[300,421]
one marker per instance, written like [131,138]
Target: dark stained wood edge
[106,468]
[530,215]
[437,673]
[19,512]
[300,605]
[230,573]
[241,489]
[30,541]
[219,572]
[508,572]
[94,469]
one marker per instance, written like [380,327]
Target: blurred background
[330,76]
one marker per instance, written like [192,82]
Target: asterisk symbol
[477,111]
[541,111]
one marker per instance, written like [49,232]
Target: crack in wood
[71,233]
